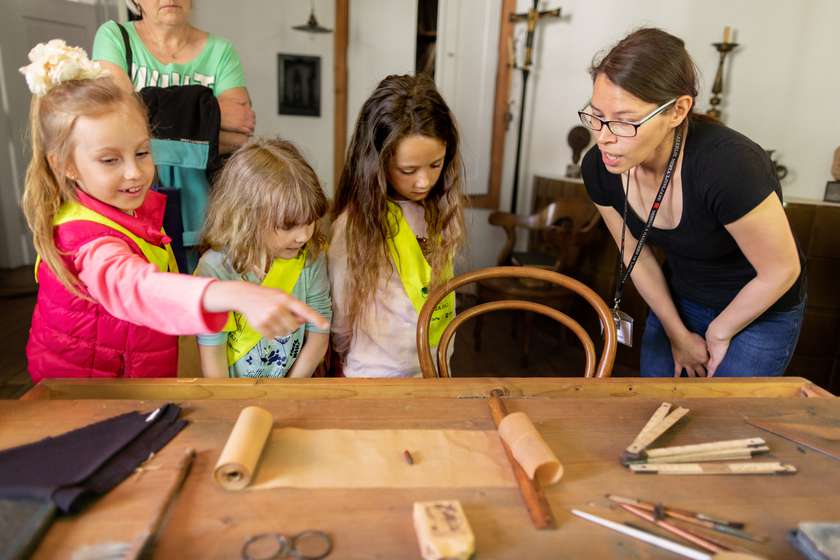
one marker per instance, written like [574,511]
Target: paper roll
[243,448]
[529,449]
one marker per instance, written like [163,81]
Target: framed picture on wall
[299,85]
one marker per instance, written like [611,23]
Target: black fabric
[724,176]
[186,113]
[173,224]
[189,112]
[71,468]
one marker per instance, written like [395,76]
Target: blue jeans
[763,348]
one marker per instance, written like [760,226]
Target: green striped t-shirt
[217,66]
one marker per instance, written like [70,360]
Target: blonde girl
[108,304]
[262,227]
[398,224]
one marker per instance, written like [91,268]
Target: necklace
[160,46]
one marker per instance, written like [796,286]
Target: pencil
[645,536]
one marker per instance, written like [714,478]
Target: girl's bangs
[303,208]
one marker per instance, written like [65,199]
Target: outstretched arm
[132,289]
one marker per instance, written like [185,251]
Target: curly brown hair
[400,106]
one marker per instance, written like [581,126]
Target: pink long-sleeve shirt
[132,289]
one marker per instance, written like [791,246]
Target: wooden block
[443,530]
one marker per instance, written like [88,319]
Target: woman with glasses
[730,298]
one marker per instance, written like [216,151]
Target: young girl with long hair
[108,304]
[398,225]
[262,227]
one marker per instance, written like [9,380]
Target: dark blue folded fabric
[78,465]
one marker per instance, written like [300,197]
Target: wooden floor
[17,298]
[500,353]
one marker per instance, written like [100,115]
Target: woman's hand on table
[690,353]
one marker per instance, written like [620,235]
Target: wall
[781,86]
[260,29]
[22,26]
[381,41]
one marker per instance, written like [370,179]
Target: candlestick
[723,48]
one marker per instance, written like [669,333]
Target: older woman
[731,298]
[168,51]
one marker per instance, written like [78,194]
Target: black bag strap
[128,57]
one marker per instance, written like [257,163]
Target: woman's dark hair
[651,64]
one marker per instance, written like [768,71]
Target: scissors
[273,546]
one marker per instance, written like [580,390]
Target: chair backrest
[427,362]
[560,229]
[575,230]
[509,222]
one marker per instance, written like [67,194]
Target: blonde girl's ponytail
[65,85]
[42,199]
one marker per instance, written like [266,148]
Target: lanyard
[622,278]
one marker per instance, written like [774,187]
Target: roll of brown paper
[244,446]
[529,449]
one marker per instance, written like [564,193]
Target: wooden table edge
[473,387]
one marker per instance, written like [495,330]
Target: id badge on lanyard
[623,321]
[623,326]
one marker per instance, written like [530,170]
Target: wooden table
[586,422]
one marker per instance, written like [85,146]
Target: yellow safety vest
[416,274]
[162,257]
[283,275]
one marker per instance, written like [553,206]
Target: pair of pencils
[659,511]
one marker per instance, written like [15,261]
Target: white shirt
[385,341]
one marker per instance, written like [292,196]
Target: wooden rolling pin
[532,493]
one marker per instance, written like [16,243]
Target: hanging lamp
[312,26]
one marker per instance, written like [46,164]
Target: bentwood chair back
[427,362]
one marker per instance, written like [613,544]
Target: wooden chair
[605,364]
[558,235]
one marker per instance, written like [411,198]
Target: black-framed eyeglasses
[620,128]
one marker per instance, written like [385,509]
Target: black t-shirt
[724,176]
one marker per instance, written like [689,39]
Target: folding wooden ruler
[658,424]
[716,468]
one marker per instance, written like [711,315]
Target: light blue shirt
[271,357]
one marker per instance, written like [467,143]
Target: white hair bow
[54,62]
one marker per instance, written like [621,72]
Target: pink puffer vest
[74,337]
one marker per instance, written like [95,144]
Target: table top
[465,387]
[587,430]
